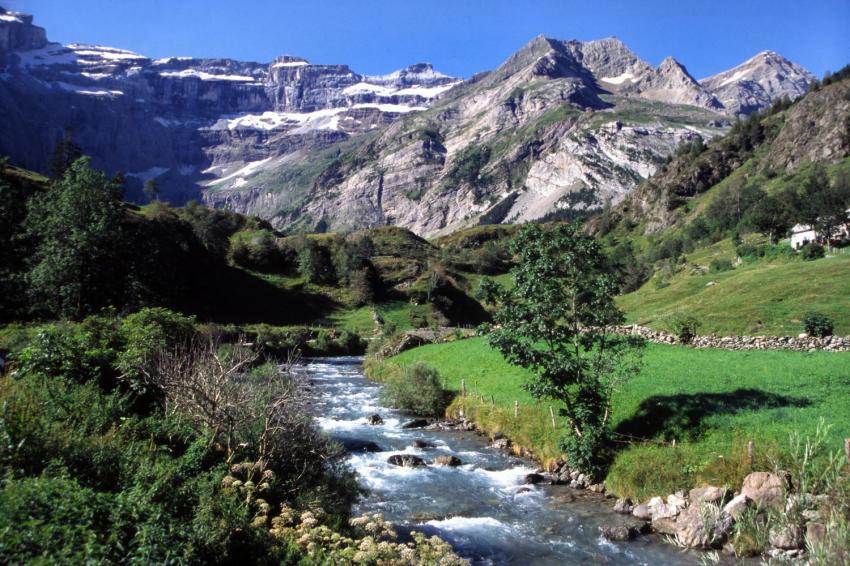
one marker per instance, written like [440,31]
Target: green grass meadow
[711,402]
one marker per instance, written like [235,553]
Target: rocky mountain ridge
[560,128]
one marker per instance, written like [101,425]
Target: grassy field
[710,401]
[763,297]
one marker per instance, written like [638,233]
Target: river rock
[698,529]
[619,532]
[375,420]
[362,446]
[422,444]
[452,461]
[708,494]
[767,489]
[406,461]
[501,443]
[642,512]
[737,505]
[623,506]
[534,478]
[664,525]
[788,537]
[415,423]
[597,488]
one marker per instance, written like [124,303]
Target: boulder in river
[619,532]
[422,444]
[375,420]
[452,461]
[623,506]
[356,445]
[406,461]
[416,423]
[534,478]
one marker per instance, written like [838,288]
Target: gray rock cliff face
[559,129]
[757,82]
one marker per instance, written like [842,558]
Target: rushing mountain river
[482,507]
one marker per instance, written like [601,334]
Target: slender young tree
[556,321]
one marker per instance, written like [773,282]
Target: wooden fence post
[552,414]
[674,443]
[463,388]
[750,454]
[516,409]
[847,449]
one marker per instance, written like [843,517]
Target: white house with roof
[802,234]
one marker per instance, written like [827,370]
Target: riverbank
[450,482]
[711,402]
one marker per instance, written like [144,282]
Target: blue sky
[459,37]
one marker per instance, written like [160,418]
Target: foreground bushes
[417,390]
[105,460]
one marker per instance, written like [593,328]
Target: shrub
[812,251]
[818,324]
[720,265]
[418,390]
[52,520]
[684,326]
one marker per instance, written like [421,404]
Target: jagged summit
[757,82]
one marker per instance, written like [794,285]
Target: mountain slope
[560,128]
[813,130]
[754,84]
[538,135]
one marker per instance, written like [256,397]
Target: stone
[422,444]
[501,443]
[406,461]
[375,420]
[677,500]
[698,527]
[708,494]
[452,461]
[642,512]
[664,525]
[619,533]
[623,506]
[415,423]
[597,488]
[787,537]
[737,505]
[534,478]
[364,446]
[766,489]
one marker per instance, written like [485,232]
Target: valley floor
[711,402]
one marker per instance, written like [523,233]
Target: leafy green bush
[418,390]
[720,265]
[684,326]
[818,324]
[53,520]
[812,251]
[146,333]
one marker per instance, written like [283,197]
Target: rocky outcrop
[17,32]
[757,82]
